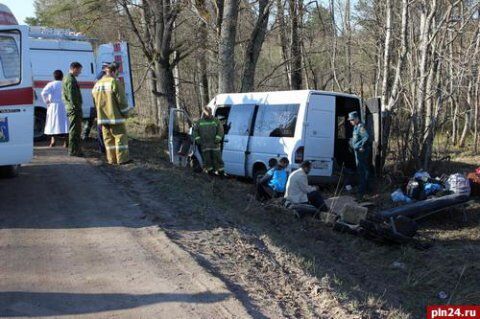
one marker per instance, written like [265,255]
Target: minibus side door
[237,136]
[179,137]
[319,134]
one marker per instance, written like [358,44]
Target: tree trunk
[477,106]
[468,115]
[427,16]
[348,50]
[165,92]
[430,116]
[333,60]
[283,40]
[202,63]
[254,47]
[295,48]
[386,52]
[388,107]
[226,50]
[154,100]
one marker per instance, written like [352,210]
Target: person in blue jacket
[361,146]
[273,183]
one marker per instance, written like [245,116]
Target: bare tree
[295,45]
[226,48]
[254,46]
[389,101]
[281,22]
[154,34]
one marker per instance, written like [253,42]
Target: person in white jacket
[299,192]
[57,121]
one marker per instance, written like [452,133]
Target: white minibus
[300,125]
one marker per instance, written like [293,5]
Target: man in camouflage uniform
[72,97]
[112,109]
[361,146]
[208,133]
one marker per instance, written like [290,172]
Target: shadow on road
[34,304]
[60,195]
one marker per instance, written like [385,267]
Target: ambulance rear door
[16,97]
[118,52]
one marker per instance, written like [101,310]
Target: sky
[20,9]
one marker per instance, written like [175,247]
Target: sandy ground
[74,244]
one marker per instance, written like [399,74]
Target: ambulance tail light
[299,155]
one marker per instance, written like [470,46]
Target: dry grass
[301,268]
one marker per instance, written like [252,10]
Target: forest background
[420,57]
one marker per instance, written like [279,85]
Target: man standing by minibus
[112,109]
[72,97]
[208,133]
[361,146]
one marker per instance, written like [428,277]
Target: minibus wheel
[9,171]
[39,125]
[258,170]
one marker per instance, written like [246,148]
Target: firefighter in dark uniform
[361,146]
[208,134]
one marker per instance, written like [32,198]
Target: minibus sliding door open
[343,153]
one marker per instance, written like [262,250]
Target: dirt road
[73,243]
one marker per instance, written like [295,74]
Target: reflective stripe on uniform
[210,149]
[209,123]
[117,147]
[103,87]
[128,108]
[108,121]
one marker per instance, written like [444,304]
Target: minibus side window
[237,123]
[10,59]
[276,120]
[222,115]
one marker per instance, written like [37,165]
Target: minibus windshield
[10,59]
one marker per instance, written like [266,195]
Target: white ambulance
[28,57]
[300,125]
[52,49]
[16,95]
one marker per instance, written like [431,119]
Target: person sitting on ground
[299,192]
[271,164]
[274,182]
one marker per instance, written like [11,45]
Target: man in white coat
[299,192]
[57,121]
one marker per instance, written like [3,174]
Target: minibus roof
[295,96]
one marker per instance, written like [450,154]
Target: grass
[301,268]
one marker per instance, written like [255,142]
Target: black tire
[9,171]
[258,172]
[39,124]
[195,165]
